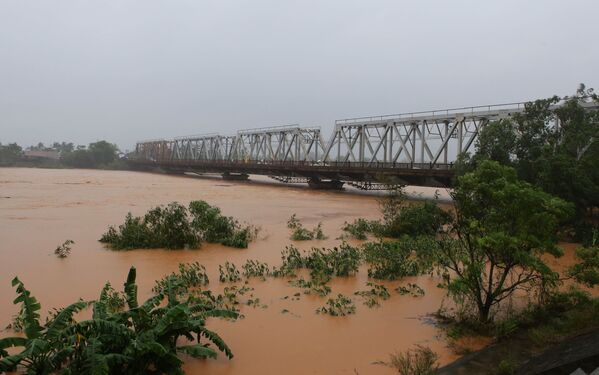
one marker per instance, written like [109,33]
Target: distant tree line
[101,154]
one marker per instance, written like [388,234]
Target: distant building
[40,155]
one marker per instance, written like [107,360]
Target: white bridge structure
[416,148]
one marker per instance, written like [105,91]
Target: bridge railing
[516,107]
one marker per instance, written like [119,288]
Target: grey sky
[126,70]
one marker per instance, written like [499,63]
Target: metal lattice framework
[412,147]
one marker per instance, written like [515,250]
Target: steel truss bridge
[416,148]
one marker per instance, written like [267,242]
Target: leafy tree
[10,153]
[502,229]
[587,270]
[102,152]
[497,141]
[97,154]
[552,144]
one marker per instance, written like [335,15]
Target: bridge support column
[235,176]
[316,183]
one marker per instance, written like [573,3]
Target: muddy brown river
[41,208]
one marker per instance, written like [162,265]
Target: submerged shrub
[176,227]
[255,268]
[372,296]
[412,289]
[401,218]
[395,259]
[314,286]
[229,273]
[359,229]
[213,227]
[64,250]
[339,261]
[299,233]
[417,219]
[338,306]
[291,261]
[190,275]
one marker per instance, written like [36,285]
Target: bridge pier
[235,176]
[316,183]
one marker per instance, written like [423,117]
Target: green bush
[417,219]
[338,261]
[359,229]
[395,259]
[176,227]
[401,218]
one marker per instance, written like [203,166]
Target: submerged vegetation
[338,306]
[176,227]
[64,250]
[299,233]
[373,296]
[401,219]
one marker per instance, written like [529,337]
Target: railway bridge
[417,148]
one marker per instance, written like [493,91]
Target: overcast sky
[128,70]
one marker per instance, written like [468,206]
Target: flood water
[41,208]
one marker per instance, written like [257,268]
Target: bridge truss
[411,148]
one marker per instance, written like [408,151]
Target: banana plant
[45,348]
[142,338]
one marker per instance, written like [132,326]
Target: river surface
[41,208]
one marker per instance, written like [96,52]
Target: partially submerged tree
[502,229]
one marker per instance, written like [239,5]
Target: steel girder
[419,140]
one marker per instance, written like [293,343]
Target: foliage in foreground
[175,227]
[143,338]
[586,271]
[419,361]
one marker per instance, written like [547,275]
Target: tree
[102,152]
[495,246]
[497,141]
[95,155]
[10,153]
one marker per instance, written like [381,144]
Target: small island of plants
[175,226]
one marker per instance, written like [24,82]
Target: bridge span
[417,148]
